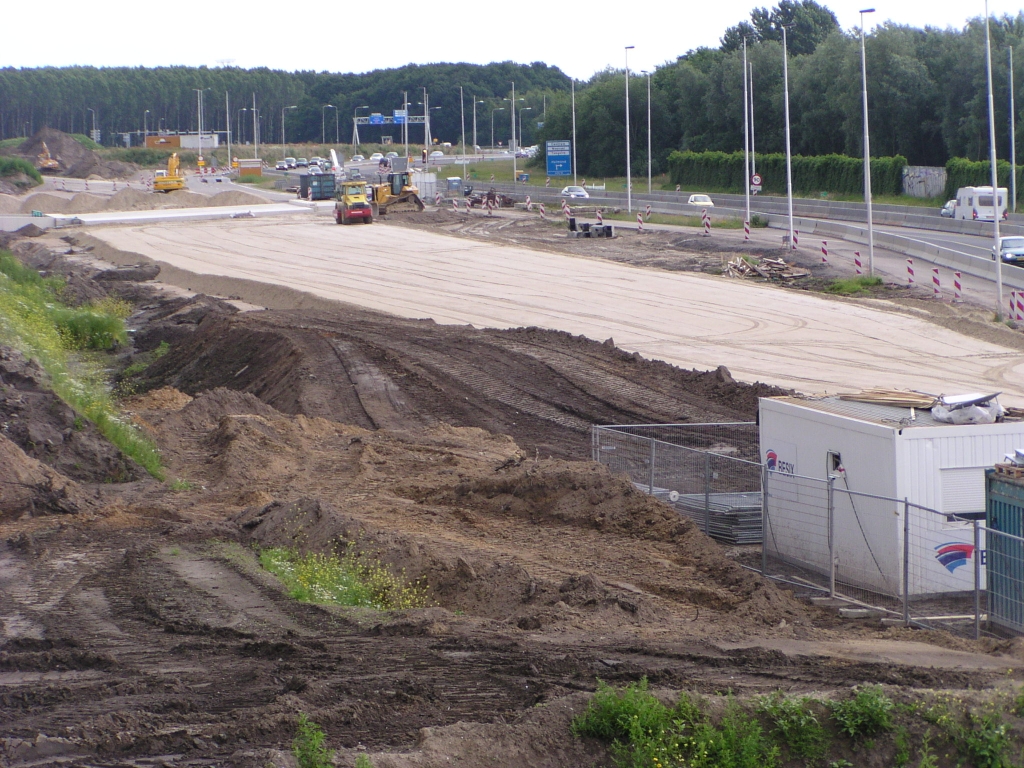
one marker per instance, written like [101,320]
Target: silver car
[1011,249]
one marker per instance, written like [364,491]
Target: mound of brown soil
[10,204]
[236,197]
[75,160]
[45,202]
[29,487]
[49,431]
[30,230]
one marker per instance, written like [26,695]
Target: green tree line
[926,86]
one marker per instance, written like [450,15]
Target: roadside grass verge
[852,286]
[59,338]
[927,731]
[344,580]
[677,220]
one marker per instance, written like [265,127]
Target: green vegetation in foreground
[850,286]
[85,141]
[37,323]
[12,166]
[309,748]
[772,731]
[346,580]
[685,221]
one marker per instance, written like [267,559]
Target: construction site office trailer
[888,452]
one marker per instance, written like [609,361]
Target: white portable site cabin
[976,203]
[889,452]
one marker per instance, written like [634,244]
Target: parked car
[437,153]
[702,200]
[316,160]
[575,192]
[357,159]
[376,157]
[1011,249]
[390,155]
[282,165]
[948,211]
[290,161]
[302,162]
[315,170]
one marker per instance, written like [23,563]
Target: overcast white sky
[354,36]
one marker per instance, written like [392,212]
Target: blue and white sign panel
[400,115]
[559,155]
[376,119]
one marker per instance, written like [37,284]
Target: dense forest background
[926,89]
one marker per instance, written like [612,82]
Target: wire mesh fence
[904,562]
[708,472]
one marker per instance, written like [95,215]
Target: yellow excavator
[47,163]
[397,195]
[172,178]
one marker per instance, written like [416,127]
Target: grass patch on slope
[57,336]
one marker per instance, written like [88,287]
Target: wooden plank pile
[900,398]
[768,268]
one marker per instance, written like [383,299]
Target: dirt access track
[138,629]
[791,339]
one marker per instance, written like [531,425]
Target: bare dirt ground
[138,629]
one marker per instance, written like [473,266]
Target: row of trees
[926,93]
[926,89]
[119,98]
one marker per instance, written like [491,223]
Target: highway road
[793,339]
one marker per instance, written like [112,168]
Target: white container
[884,452]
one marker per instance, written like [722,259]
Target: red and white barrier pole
[936,287]
[600,218]
[824,251]
[746,230]
[957,290]
[542,213]
[1013,305]
[707,224]
[647,212]
[796,238]
[856,262]
[529,205]
[910,271]
[1020,306]
[639,222]
[437,199]
[455,204]
[490,207]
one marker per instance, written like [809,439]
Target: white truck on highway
[977,203]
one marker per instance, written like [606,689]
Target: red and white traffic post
[824,252]
[910,272]
[856,262]
[936,287]
[957,290]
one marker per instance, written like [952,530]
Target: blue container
[1004,561]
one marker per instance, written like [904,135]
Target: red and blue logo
[772,459]
[953,554]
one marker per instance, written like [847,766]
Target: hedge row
[839,174]
[961,172]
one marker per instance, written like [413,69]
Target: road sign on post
[376,119]
[559,157]
[399,116]
[755,183]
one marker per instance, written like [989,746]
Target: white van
[976,203]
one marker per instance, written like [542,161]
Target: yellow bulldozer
[170,179]
[397,195]
[47,163]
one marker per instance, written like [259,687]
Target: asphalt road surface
[803,341]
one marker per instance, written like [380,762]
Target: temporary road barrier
[856,262]
[639,222]
[935,283]
[542,211]
[910,271]
[529,205]
[824,251]
[647,212]
[957,291]
[746,230]
[437,199]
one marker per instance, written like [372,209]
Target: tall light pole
[498,109]
[512,112]
[145,124]
[648,131]
[1013,141]
[405,124]
[284,144]
[574,182]
[323,121]
[90,109]
[199,117]
[227,119]
[867,146]
[789,153]
[241,131]
[255,129]
[992,161]
[629,167]
[524,109]
[462,108]
[355,128]
[753,148]
[426,120]
[746,137]
[475,143]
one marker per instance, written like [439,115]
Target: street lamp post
[648,131]
[498,109]
[789,154]
[746,139]
[284,144]
[524,109]
[241,125]
[512,144]
[355,129]
[867,146]
[323,121]
[1013,141]
[992,161]
[629,166]
[475,143]
[145,126]
[462,110]
[574,182]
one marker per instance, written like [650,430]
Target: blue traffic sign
[400,115]
[376,119]
[559,157]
